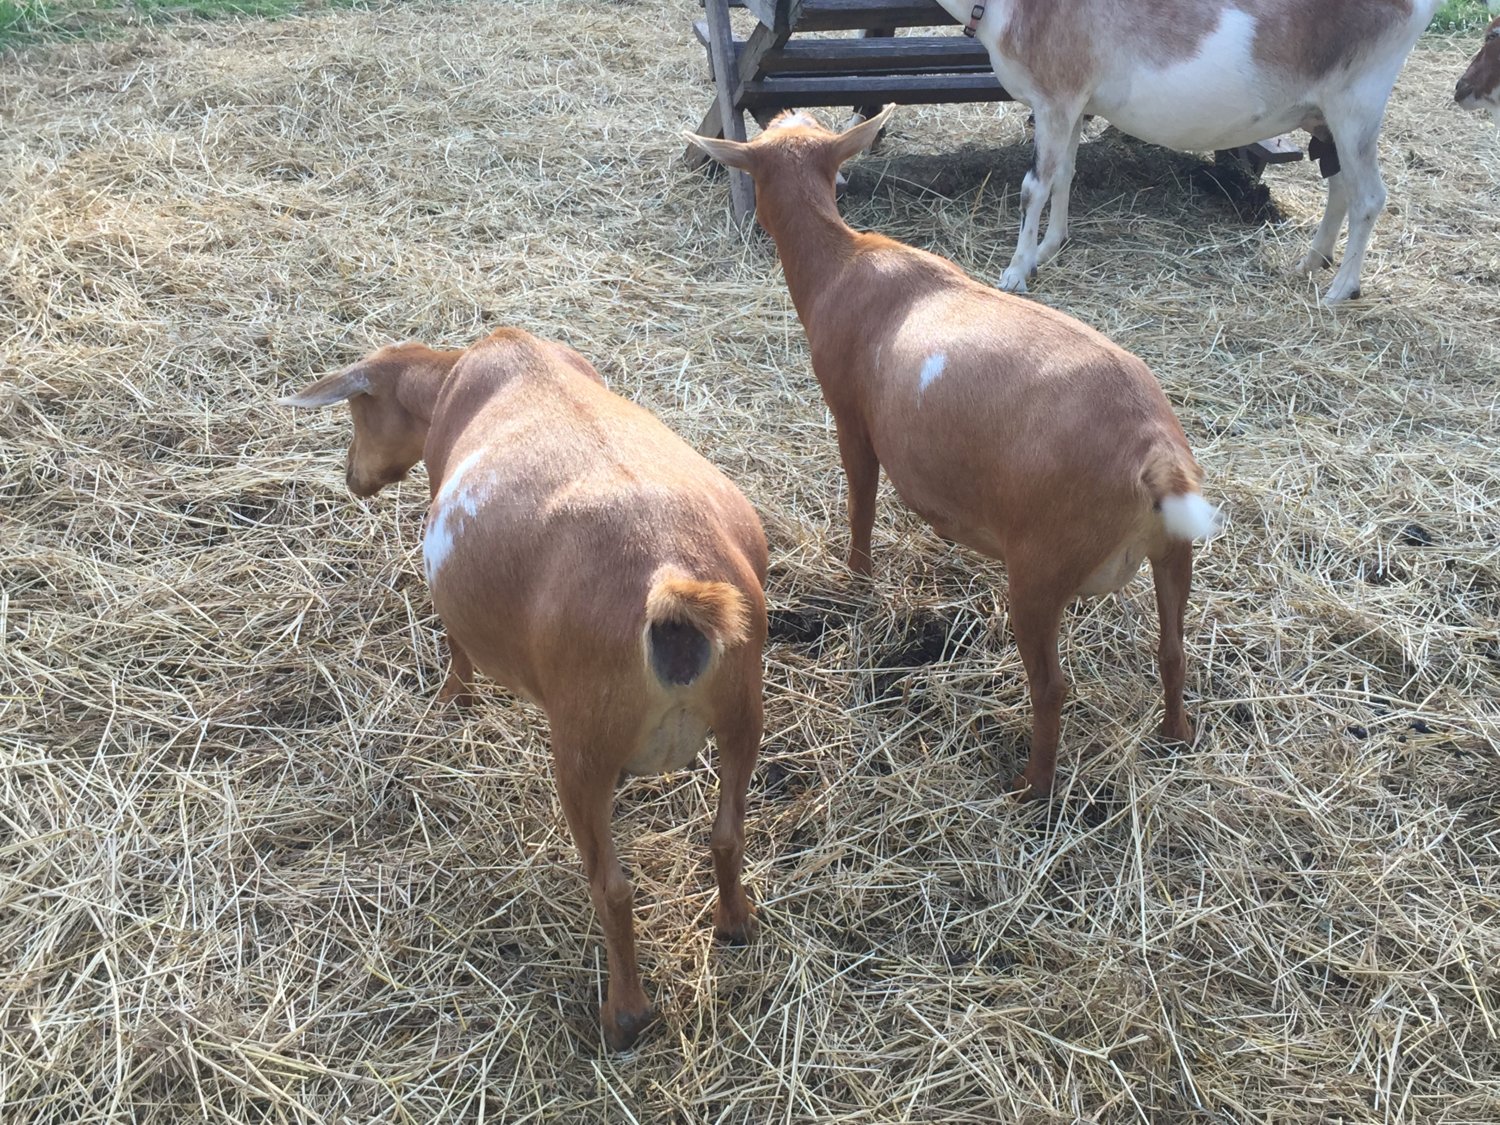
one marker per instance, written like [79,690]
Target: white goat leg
[1320,255]
[1355,126]
[1057,213]
[1054,126]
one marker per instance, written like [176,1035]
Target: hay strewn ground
[249,873]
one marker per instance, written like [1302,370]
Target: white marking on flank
[932,371]
[447,517]
[1189,516]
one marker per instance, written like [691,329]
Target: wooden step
[905,89]
[847,15]
[878,56]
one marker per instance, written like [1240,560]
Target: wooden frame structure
[783,64]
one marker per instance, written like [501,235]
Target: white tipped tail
[1190,516]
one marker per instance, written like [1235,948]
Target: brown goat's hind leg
[458,687]
[1036,617]
[1173,575]
[587,796]
[738,733]
[863,473]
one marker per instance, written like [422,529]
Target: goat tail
[1174,481]
[687,621]
[716,609]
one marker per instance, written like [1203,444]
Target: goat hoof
[1013,281]
[731,934]
[1314,262]
[1023,789]
[1181,731]
[456,692]
[622,1030]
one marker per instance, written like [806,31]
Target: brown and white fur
[582,555]
[1479,88]
[1009,427]
[1198,75]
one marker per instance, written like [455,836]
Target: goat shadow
[1110,164]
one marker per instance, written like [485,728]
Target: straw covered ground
[248,870]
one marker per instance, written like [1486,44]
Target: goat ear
[732,154]
[858,138]
[331,389]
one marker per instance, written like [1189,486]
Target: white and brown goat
[581,554]
[1197,75]
[1479,86]
[1009,427]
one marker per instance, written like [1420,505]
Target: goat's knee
[1366,208]
[727,841]
[1049,693]
[613,894]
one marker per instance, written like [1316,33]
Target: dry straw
[251,874]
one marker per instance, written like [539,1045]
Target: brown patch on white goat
[1201,76]
[581,554]
[1009,427]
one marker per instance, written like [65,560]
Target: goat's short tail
[1172,478]
[687,621]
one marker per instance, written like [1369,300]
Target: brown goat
[1479,87]
[1009,427]
[581,554]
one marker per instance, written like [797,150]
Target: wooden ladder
[773,69]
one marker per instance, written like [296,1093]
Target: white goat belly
[675,742]
[1216,99]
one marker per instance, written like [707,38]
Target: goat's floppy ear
[331,388]
[733,154]
[858,138]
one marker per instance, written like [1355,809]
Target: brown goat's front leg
[1035,617]
[863,473]
[458,687]
[587,795]
[737,731]
[1173,575]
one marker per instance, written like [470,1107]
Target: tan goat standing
[1009,427]
[581,554]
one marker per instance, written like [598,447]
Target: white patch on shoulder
[932,371]
[1189,516]
[806,120]
[455,503]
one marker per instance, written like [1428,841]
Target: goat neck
[814,242]
[419,385]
